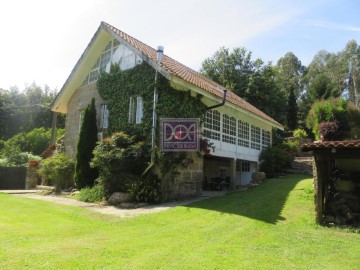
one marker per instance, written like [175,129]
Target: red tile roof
[187,74]
[351,144]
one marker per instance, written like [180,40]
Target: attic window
[114,53]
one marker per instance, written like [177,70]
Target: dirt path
[112,210]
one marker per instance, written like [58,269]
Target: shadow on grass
[264,202]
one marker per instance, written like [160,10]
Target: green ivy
[118,86]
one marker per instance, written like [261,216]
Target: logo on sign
[178,135]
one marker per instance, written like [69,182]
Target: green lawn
[267,227]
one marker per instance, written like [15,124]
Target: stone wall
[81,98]
[189,181]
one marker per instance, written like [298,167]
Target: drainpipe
[160,51]
[218,105]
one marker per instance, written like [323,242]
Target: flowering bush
[206,146]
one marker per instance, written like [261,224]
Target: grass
[267,227]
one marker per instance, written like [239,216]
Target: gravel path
[112,210]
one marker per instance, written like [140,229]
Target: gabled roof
[171,68]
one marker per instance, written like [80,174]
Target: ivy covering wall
[118,86]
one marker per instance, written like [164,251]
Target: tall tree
[84,174]
[349,60]
[230,69]
[290,73]
[289,77]
[252,80]
[292,110]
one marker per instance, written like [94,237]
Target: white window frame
[243,134]
[265,139]
[212,125]
[245,166]
[139,110]
[255,137]
[104,116]
[136,108]
[229,129]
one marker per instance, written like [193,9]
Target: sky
[41,40]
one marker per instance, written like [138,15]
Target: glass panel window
[255,137]
[243,133]
[135,110]
[265,139]
[104,117]
[139,109]
[212,125]
[229,129]
[245,166]
[111,54]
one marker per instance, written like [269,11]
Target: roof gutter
[220,104]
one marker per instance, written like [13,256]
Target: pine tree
[84,174]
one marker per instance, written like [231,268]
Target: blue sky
[42,39]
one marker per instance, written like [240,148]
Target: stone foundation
[189,181]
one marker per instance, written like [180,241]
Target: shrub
[353,116]
[84,174]
[275,159]
[147,189]
[299,134]
[332,110]
[330,131]
[92,194]
[120,160]
[58,170]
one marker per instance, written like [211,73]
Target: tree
[22,111]
[230,69]
[290,73]
[252,80]
[84,174]
[289,77]
[292,110]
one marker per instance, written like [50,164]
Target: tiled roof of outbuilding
[351,144]
[187,74]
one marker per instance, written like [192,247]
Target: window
[212,125]
[112,54]
[255,137]
[265,139]
[135,110]
[245,166]
[243,133]
[229,129]
[81,118]
[104,117]
[223,172]
[238,163]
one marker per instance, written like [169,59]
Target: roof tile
[330,144]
